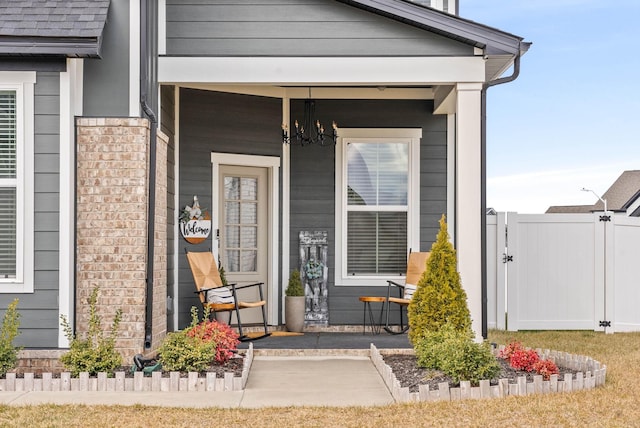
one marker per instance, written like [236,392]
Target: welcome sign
[195,231]
[194,223]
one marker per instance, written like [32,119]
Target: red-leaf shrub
[225,338]
[528,360]
[546,368]
[524,359]
[508,350]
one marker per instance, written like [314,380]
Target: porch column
[468,197]
[111,232]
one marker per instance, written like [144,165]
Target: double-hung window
[16,181]
[377,199]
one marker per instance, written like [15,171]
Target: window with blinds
[8,183]
[377,207]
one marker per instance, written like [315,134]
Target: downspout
[149,113]
[483,173]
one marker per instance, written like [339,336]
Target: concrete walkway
[333,378]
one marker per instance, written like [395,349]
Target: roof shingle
[45,20]
[40,18]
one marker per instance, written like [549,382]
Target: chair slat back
[416,265]
[205,271]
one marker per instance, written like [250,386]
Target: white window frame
[23,83]
[411,136]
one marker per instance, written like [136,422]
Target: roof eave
[494,41]
[89,47]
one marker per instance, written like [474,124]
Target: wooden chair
[416,265]
[216,296]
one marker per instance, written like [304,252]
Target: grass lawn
[616,404]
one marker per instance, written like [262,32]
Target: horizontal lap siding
[313,182]
[39,310]
[106,79]
[295,28]
[217,122]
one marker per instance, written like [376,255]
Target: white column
[468,199]
[286,202]
[134,59]
[70,106]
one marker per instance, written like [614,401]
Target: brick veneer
[111,235]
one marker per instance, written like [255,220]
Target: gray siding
[167,125]
[217,122]
[312,183]
[106,80]
[39,310]
[294,28]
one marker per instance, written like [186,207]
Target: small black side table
[367,300]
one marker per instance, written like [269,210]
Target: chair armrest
[248,285]
[259,284]
[395,284]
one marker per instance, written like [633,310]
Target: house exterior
[125,110]
[623,198]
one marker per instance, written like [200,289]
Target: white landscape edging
[590,373]
[139,382]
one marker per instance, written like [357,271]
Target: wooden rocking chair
[416,265]
[216,296]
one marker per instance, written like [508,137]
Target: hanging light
[310,131]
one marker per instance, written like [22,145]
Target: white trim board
[71,88]
[379,71]
[319,93]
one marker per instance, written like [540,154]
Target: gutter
[483,185]
[149,113]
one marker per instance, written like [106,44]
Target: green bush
[294,288]
[94,352]
[454,352]
[181,351]
[440,298]
[8,332]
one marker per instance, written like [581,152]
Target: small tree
[294,287]
[94,353]
[8,332]
[440,298]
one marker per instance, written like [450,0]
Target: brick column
[111,230]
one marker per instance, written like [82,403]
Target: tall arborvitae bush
[440,298]
[8,332]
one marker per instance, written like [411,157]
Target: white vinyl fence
[563,272]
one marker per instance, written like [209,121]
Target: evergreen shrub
[440,298]
[8,332]
[94,352]
[454,352]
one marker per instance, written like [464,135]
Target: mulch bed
[233,365]
[406,370]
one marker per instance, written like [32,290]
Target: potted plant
[294,303]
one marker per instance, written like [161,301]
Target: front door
[243,214]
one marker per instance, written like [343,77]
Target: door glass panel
[249,189]
[232,212]
[249,237]
[249,261]
[249,213]
[241,223]
[233,261]
[231,188]
[233,236]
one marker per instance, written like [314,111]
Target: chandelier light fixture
[310,131]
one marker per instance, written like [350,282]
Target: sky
[571,120]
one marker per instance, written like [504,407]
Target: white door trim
[272,163]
